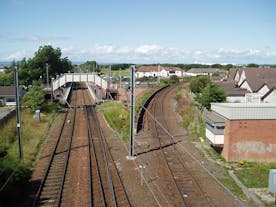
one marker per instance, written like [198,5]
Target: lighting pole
[18,119]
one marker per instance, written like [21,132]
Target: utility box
[37,115]
[272,181]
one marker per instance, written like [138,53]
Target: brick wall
[251,140]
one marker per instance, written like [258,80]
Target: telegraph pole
[132,112]
[18,119]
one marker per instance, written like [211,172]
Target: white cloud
[147,49]
[18,55]
[152,53]
[32,38]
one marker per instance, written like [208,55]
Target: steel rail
[160,144]
[37,197]
[210,203]
[59,201]
[109,178]
[89,152]
[94,155]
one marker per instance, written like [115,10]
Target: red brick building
[249,131]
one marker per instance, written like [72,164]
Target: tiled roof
[231,90]
[155,68]
[256,77]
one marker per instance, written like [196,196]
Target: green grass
[231,184]
[254,175]
[115,73]
[33,133]
[117,116]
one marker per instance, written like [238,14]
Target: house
[158,71]
[248,130]
[7,95]
[234,94]
[203,71]
[257,82]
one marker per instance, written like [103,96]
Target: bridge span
[78,77]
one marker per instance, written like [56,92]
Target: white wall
[215,139]
[246,86]
[235,99]
[271,98]
[263,90]
[242,78]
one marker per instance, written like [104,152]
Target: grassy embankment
[252,175]
[192,121]
[33,133]
[117,115]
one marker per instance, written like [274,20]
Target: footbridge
[78,77]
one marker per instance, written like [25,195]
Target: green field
[116,73]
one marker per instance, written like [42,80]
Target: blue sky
[141,31]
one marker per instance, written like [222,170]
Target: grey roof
[6,91]
[237,111]
[256,77]
[214,118]
[204,70]
[231,89]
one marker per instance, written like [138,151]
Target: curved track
[188,189]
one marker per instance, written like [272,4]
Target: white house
[158,71]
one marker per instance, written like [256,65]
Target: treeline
[35,68]
[122,66]
[220,66]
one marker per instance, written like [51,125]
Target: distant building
[7,95]
[203,71]
[244,131]
[158,71]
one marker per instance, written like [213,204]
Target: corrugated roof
[239,111]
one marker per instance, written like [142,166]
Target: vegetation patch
[117,116]
[254,175]
[32,136]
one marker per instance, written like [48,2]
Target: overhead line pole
[18,119]
[132,112]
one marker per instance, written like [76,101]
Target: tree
[253,65]
[211,93]
[34,99]
[198,83]
[174,79]
[90,66]
[6,79]
[35,67]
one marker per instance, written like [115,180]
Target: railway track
[187,186]
[107,188]
[97,183]
[52,184]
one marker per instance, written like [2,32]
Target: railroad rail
[188,188]
[106,186]
[51,188]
